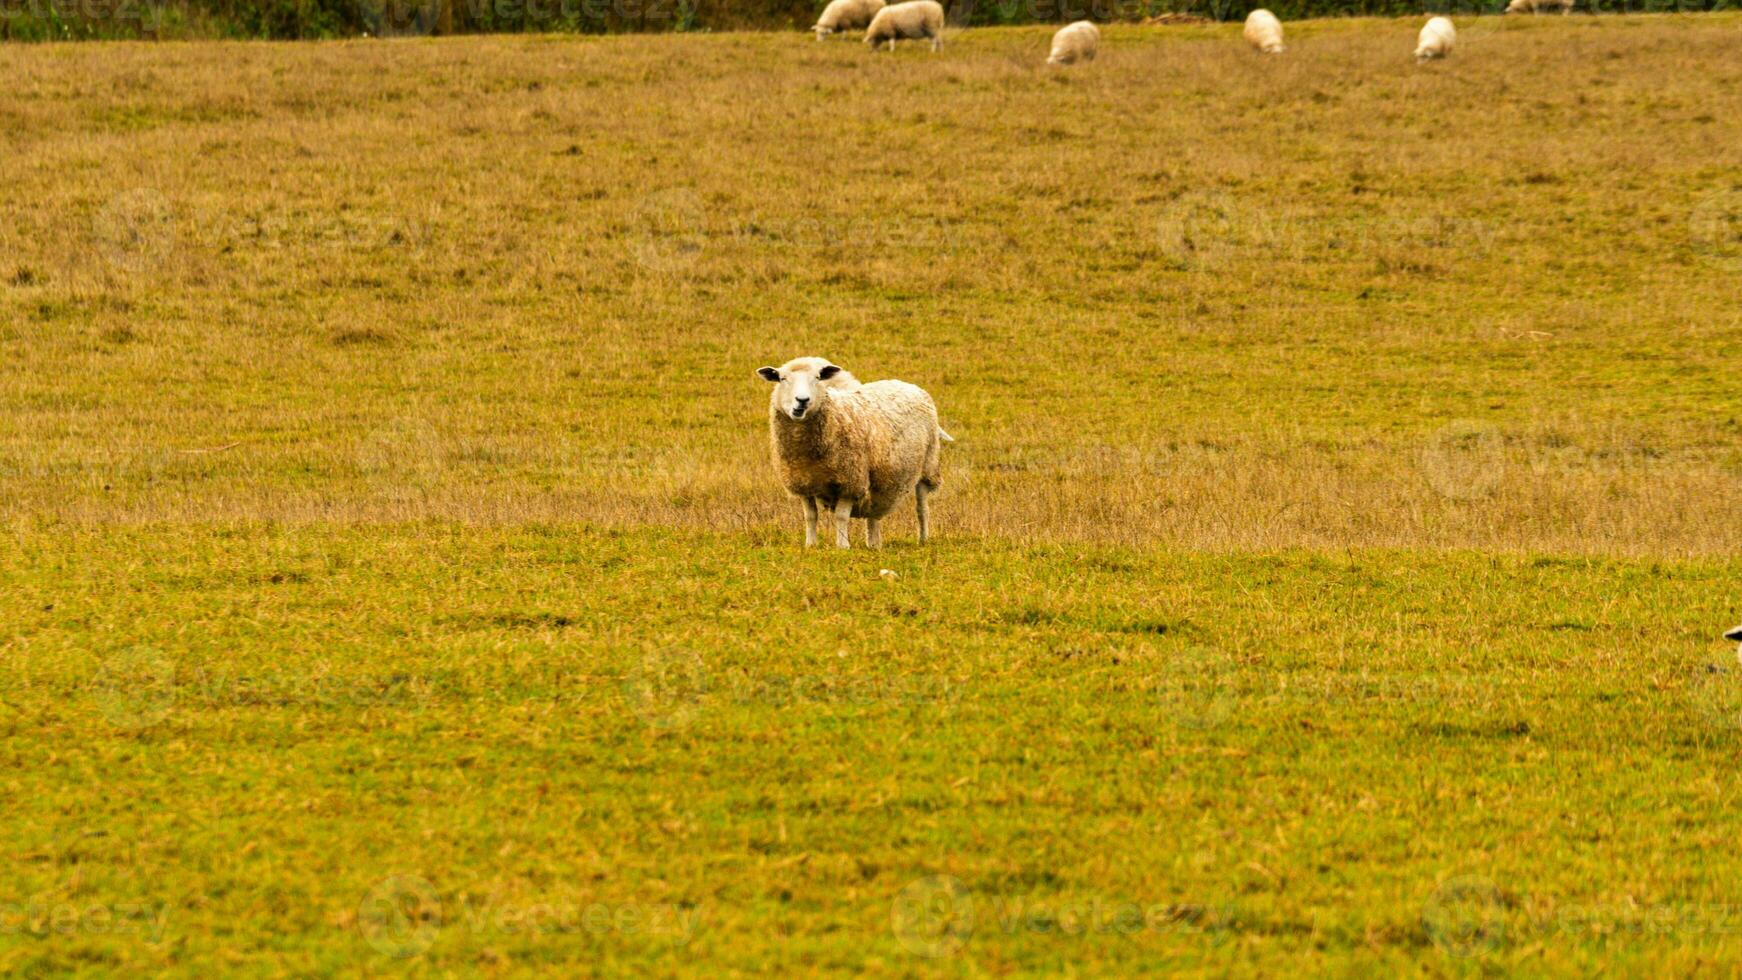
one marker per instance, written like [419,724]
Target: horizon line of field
[55,20]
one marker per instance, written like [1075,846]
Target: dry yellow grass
[1183,295]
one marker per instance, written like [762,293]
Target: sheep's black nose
[802,402]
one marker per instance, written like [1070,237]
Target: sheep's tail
[945,436]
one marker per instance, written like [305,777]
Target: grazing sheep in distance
[1264,31]
[1073,43]
[1436,39]
[852,449]
[914,19]
[846,15]
[1539,6]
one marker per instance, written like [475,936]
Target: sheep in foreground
[1436,39]
[914,19]
[1073,43]
[1539,6]
[1264,31]
[846,15]
[849,448]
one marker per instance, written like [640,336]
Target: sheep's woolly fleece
[1264,32]
[1436,39]
[903,21]
[869,443]
[846,15]
[1073,43]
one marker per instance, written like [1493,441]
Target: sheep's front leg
[919,493]
[843,520]
[873,533]
[810,522]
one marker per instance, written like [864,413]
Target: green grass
[1329,570]
[263,734]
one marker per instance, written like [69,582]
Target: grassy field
[1329,567]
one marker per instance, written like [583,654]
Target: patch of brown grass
[1184,294]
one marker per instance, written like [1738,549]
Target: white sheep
[913,19]
[1264,31]
[1539,6]
[1073,43]
[852,449]
[1436,39]
[846,15]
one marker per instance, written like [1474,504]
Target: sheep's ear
[768,374]
[828,372]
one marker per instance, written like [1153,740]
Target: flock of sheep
[1264,32]
[923,20]
[856,450]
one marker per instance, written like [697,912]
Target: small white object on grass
[914,19]
[1436,40]
[845,15]
[1264,32]
[887,573]
[1073,43]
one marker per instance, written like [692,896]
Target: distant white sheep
[1073,43]
[1264,31]
[1539,6]
[846,15]
[1436,39]
[852,449]
[913,20]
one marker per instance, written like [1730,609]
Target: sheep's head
[822,31]
[801,384]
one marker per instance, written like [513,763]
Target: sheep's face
[822,31]
[801,385]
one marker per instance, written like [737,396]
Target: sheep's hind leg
[873,533]
[843,521]
[810,522]
[919,493]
